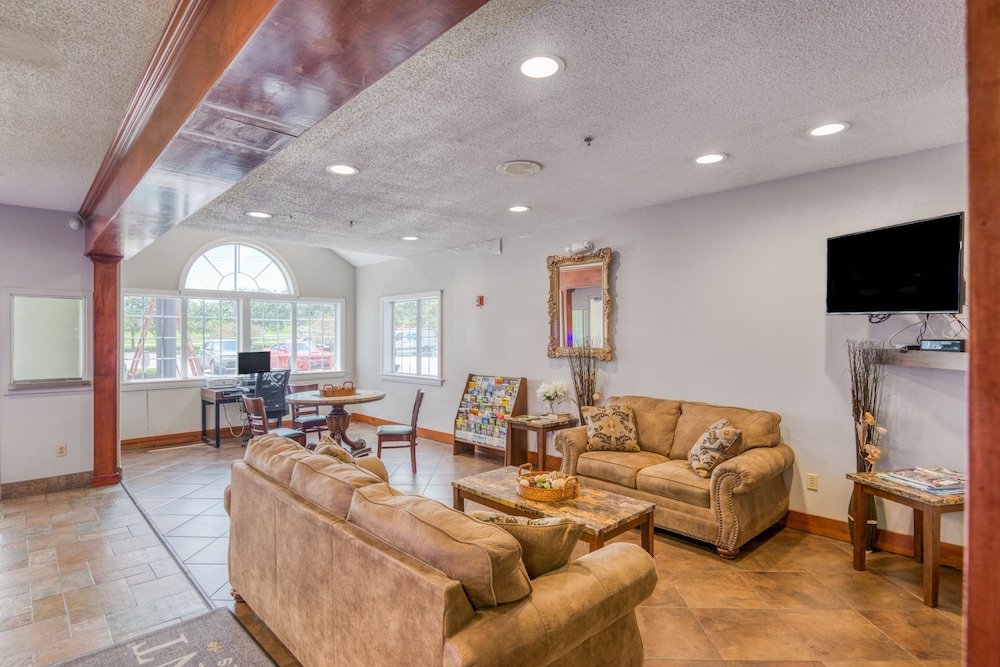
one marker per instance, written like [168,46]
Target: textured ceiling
[655,83]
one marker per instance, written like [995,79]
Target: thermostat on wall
[943,345]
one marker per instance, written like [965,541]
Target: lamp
[579,248]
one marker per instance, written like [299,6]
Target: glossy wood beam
[982,576]
[107,361]
[231,84]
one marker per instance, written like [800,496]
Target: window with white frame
[176,337]
[411,335]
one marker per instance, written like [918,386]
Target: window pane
[414,336]
[213,328]
[317,326]
[427,339]
[271,329]
[235,267]
[47,338]
[151,327]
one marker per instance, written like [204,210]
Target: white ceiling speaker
[519,168]
[75,223]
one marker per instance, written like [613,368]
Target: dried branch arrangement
[867,374]
[583,362]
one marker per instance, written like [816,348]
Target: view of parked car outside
[307,357]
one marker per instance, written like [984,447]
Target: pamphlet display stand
[481,421]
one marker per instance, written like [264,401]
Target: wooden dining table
[339,419]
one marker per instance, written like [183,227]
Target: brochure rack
[487,402]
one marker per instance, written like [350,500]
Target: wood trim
[896,543]
[439,436]
[192,438]
[982,600]
[107,466]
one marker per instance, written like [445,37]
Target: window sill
[412,379]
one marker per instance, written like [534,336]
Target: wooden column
[982,576]
[107,361]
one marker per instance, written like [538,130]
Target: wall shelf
[953,361]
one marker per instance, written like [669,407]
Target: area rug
[215,638]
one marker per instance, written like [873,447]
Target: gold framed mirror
[580,304]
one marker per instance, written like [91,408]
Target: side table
[927,511]
[517,448]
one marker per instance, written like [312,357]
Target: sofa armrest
[570,442]
[755,467]
[566,607]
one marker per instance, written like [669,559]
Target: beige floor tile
[160,588]
[155,613]
[98,600]
[674,634]
[43,588]
[50,607]
[925,633]
[788,590]
[714,589]
[840,634]
[740,634]
[869,590]
[76,554]
[86,637]
[29,637]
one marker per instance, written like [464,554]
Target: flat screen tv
[251,363]
[910,268]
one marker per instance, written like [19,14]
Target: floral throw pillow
[546,544]
[612,428]
[713,446]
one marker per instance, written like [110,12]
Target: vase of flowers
[867,374]
[549,392]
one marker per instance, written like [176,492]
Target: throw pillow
[484,558]
[546,544]
[713,446]
[612,428]
[330,447]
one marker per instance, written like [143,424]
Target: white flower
[550,391]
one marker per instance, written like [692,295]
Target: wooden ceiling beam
[233,82]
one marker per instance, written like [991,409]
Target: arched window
[235,267]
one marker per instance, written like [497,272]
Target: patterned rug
[215,638]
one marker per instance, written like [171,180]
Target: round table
[339,419]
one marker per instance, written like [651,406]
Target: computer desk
[217,397]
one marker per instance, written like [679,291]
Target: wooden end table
[604,514]
[517,448]
[927,511]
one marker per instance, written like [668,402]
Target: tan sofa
[322,550]
[745,494]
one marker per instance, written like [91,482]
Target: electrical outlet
[61,450]
[812,481]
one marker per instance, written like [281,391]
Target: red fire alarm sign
[480,300]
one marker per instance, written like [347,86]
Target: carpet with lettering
[213,639]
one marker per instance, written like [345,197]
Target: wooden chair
[259,423]
[307,418]
[390,432]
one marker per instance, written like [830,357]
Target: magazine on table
[931,480]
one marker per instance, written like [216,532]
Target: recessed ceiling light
[343,169]
[519,168]
[828,129]
[711,158]
[519,209]
[259,214]
[411,238]
[540,67]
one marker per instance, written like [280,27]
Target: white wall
[718,299]
[40,252]
[165,408]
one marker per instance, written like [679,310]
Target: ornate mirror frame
[602,257]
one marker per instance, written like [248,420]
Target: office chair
[307,418]
[272,387]
[390,432]
[260,424]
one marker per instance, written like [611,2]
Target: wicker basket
[346,389]
[544,495]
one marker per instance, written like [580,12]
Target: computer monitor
[251,363]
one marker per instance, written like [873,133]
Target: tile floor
[82,569]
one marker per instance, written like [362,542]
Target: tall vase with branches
[867,376]
[583,363]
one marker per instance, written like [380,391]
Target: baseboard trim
[162,440]
[952,555]
[35,487]
[439,436]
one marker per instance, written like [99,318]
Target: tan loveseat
[743,496]
[321,550]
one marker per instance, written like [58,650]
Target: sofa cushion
[655,421]
[760,428]
[675,480]
[611,428]
[274,456]
[483,557]
[329,447]
[713,447]
[329,482]
[546,544]
[617,467]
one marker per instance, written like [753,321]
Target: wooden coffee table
[605,514]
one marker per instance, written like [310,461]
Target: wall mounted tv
[250,363]
[911,268]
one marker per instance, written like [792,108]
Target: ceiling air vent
[519,168]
